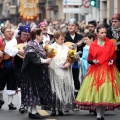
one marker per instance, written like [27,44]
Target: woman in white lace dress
[61,77]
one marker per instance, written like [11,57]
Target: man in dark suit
[72,36]
[113,33]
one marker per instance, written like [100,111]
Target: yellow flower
[50,51]
[71,55]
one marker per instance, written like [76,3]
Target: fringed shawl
[61,79]
[34,46]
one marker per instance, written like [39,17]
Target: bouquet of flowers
[71,55]
[50,50]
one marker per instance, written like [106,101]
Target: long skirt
[35,86]
[100,87]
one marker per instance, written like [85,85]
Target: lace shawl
[61,79]
[34,46]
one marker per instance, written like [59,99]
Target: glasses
[26,34]
[115,21]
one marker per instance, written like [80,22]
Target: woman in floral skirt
[35,84]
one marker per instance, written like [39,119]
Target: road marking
[43,112]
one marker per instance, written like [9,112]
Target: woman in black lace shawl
[36,88]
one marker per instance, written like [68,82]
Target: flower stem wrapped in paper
[50,51]
[73,55]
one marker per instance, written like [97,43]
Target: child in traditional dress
[88,39]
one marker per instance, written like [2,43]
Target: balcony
[13,9]
[53,7]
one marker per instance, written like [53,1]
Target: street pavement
[6,114]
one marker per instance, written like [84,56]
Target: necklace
[101,43]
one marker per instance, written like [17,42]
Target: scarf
[34,46]
[116,33]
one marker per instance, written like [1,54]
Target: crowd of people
[91,81]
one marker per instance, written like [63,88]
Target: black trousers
[17,76]
[118,60]
[75,72]
[7,78]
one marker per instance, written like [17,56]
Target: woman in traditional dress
[61,77]
[101,86]
[35,86]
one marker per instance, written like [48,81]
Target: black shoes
[11,107]
[53,113]
[102,118]
[22,109]
[93,111]
[1,103]
[34,116]
[98,118]
[60,113]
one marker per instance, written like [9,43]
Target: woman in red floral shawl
[101,86]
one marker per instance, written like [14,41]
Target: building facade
[108,8]
[9,10]
[62,9]
[54,9]
[104,9]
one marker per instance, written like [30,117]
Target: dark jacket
[109,35]
[77,38]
